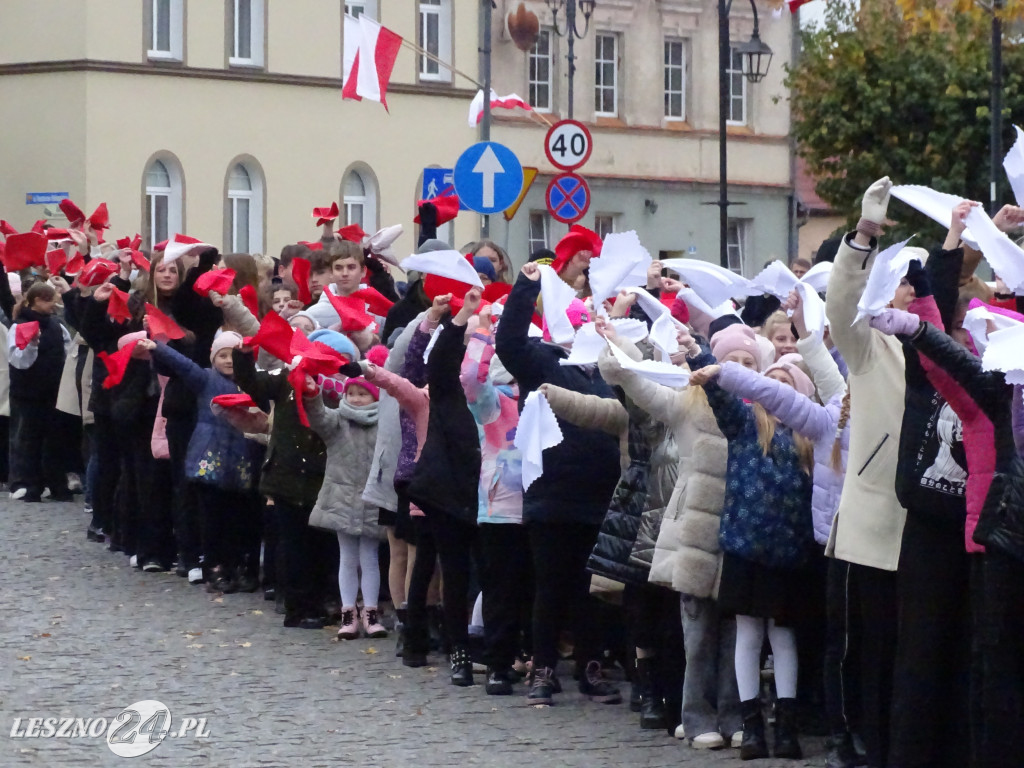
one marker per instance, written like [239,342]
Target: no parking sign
[568,197]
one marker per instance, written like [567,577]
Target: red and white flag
[476,108]
[370,53]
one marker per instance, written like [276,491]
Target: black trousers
[231,525]
[155,534]
[840,673]
[506,579]
[185,505]
[108,470]
[5,450]
[562,589]
[270,548]
[35,448]
[456,541]
[308,561]
[997,663]
[877,614]
[417,635]
[929,724]
[656,626]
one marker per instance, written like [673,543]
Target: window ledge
[163,56]
[244,63]
[739,130]
[674,124]
[609,121]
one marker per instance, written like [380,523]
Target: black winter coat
[581,472]
[40,382]
[447,475]
[101,334]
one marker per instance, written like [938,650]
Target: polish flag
[183,245]
[476,108]
[370,53]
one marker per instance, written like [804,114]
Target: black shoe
[841,753]
[634,696]
[269,593]
[297,622]
[95,534]
[32,498]
[413,659]
[221,581]
[435,627]
[498,682]
[786,743]
[246,581]
[754,745]
[181,569]
[64,495]
[400,632]
[593,685]
[114,546]
[153,565]
[542,687]
[652,708]
[462,667]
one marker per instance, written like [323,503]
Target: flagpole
[440,61]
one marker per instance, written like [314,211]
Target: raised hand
[531,271]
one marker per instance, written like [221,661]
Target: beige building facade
[224,119]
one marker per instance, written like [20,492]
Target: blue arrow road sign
[488,177]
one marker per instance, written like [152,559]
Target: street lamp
[571,30]
[756,58]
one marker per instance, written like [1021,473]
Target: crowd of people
[848,488]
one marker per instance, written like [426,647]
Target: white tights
[749,639]
[358,553]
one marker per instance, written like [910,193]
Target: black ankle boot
[435,625]
[754,745]
[462,667]
[399,631]
[841,753]
[786,743]
[652,709]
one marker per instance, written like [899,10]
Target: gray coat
[340,506]
[380,485]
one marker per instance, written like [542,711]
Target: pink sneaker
[371,623]
[349,629]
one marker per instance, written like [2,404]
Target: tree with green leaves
[900,89]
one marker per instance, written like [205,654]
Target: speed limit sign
[568,144]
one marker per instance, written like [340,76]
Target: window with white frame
[604,224]
[165,33]
[606,75]
[245,209]
[435,37]
[540,227]
[541,62]
[736,244]
[737,114]
[359,198]
[675,79]
[357,8]
[247,33]
[163,201]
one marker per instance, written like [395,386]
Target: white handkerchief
[712,283]
[776,279]
[814,310]
[538,430]
[817,276]
[1005,352]
[695,302]
[628,328]
[451,264]
[586,347]
[431,343]
[665,374]
[648,303]
[663,336]
[1013,164]
[937,206]
[557,298]
[889,268]
[1005,256]
[623,263]
[976,324]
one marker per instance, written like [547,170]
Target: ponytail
[837,446]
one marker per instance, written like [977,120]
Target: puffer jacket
[686,556]
[349,433]
[664,474]
[413,370]
[580,473]
[815,422]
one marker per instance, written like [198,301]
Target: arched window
[245,208]
[163,206]
[359,196]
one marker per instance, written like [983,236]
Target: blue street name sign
[44,198]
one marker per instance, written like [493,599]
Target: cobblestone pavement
[84,635]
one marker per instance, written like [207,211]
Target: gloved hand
[896,321]
[208,259]
[428,222]
[876,201]
[351,370]
[918,277]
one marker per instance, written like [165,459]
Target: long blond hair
[844,419]
[765,424]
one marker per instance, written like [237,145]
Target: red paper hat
[56,233]
[352,312]
[447,208]
[353,233]
[6,229]
[161,327]
[96,272]
[325,215]
[376,302]
[74,214]
[116,363]
[248,296]
[240,400]
[23,250]
[496,291]
[25,332]
[161,245]
[312,246]
[55,260]
[117,307]
[100,220]
[218,280]
[75,264]
[300,275]
[578,239]
[435,285]
[275,336]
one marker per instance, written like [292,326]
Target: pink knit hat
[224,340]
[577,313]
[359,381]
[736,338]
[128,338]
[801,382]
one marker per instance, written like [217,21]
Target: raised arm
[195,378]
[326,422]
[517,352]
[587,411]
[261,386]
[824,371]
[236,314]
[793,409]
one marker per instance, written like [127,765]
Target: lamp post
[757,57]
[571,31]
[996,126]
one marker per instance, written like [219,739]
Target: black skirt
[749,589]
[386,517]
[403,525]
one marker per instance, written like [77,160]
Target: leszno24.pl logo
[136,730]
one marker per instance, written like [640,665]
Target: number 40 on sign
[568,144]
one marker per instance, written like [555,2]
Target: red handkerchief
[25,332]
[218,280]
